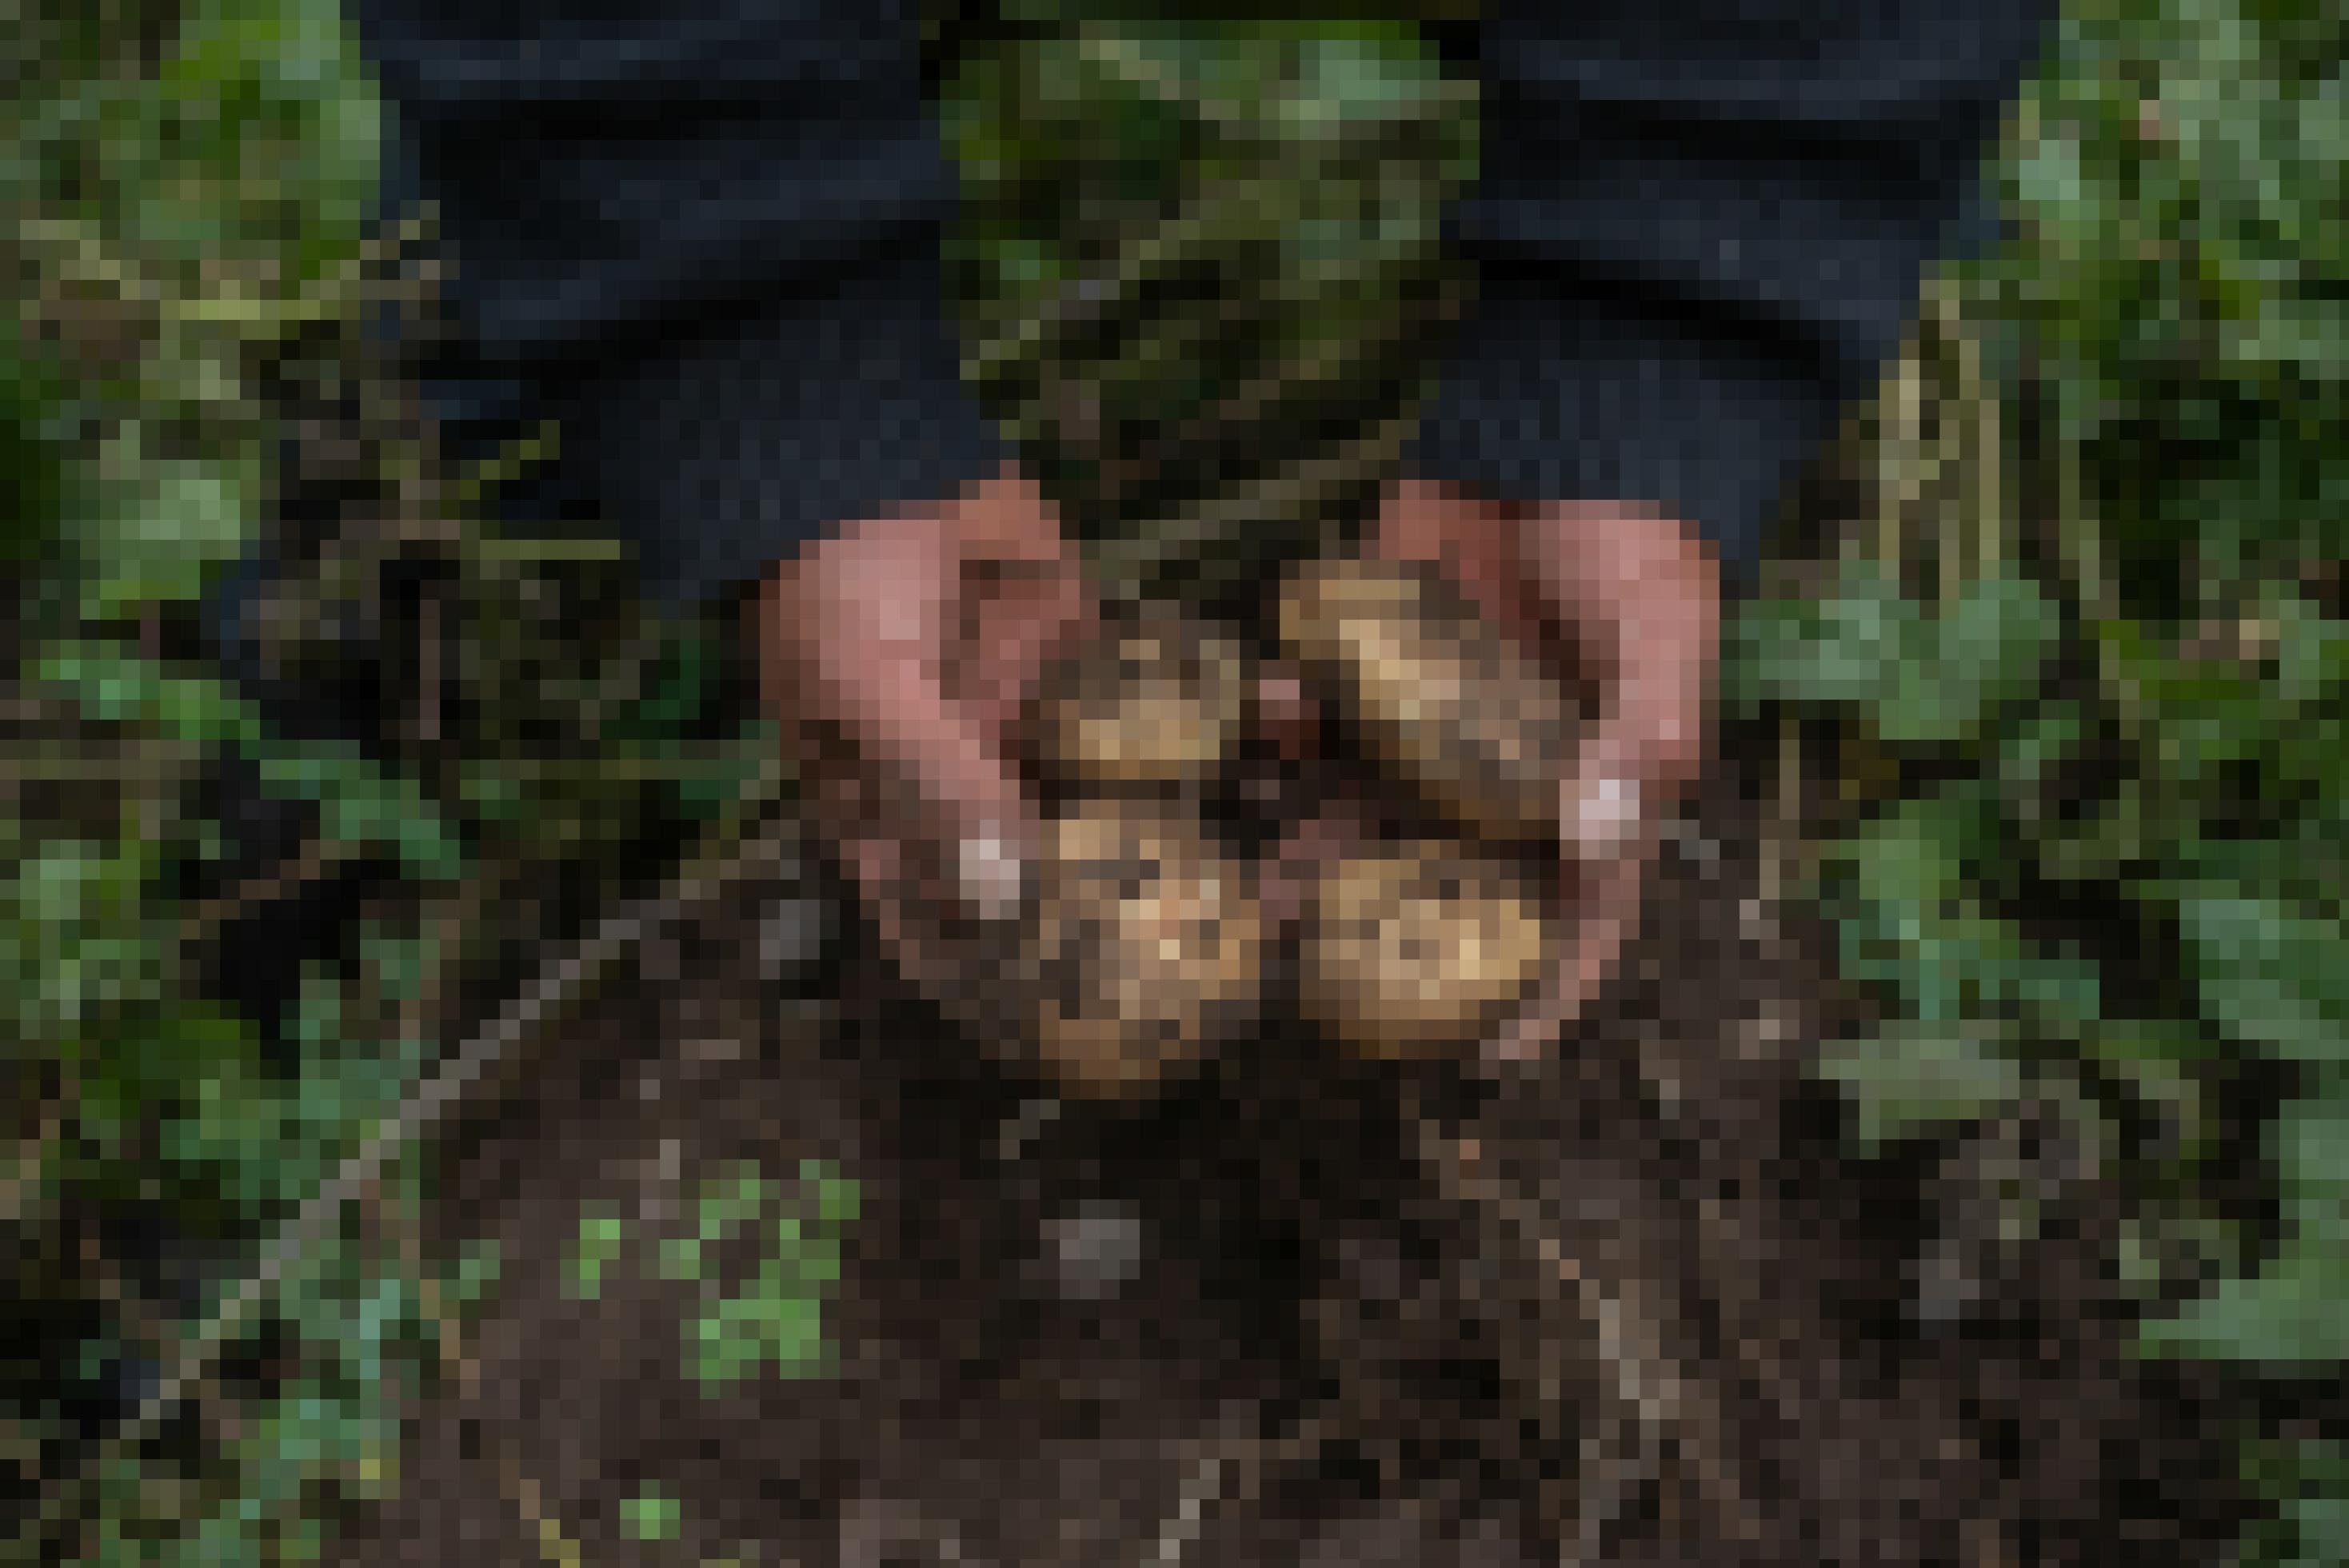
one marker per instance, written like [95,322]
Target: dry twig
[1676,1422]
[733,860]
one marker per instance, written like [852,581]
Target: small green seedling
[779,1316]
[601,1236]
[651,1515]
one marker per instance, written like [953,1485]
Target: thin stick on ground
[1676,1421]
[733,860]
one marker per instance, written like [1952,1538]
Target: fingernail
[994,874]
[1605,814]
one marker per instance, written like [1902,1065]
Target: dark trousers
[705,237]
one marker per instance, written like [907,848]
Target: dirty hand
[897,652]
[1628,602]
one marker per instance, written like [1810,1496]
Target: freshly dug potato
[1146,948]
[1411,950]
[1156,701]
[1474,725]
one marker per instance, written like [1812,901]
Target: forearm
[706,238]
[1701,226]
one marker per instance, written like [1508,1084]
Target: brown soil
[1328,1355]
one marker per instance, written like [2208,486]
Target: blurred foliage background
[2070,655]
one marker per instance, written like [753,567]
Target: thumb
[1607,803]
[994,863]
[970,805]
[958,800]
[1643,751]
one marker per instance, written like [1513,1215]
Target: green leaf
[1832,651]
[2320,1528]
[730,1201]
[397,962]
[2267,973]
[1949,965]
[1957,673]
[651,1515]
[2306,862]
[1343,80]
[1909,1078]
[837,1198]
[80,938]
[1920,679]
[2157,1060]
[2288,1314]
[724,1344]
[2113,840]
[2044,740]
[2310,1142]
[112,683]
[818,1263]
[2309,1482]
[601,1234]
[238,1123]
[1902,893]
[680,1259]
[2202,715]
[152,530]
[1915,854]
[363,804]
[2312,652]
[475,1274]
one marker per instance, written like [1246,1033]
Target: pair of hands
[900,649]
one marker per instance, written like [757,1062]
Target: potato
[1412,950]
[1476,728]
[1157,701]
[1146,948]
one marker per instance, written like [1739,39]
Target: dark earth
[1372,1317]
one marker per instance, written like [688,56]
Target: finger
[1640,756]
[1604,807]
[1285,714]
[1606,913]
[1287,875]
[1014,618]
[1641,599]
[1582,970]
[1470,540]
[1286,881]
[863,633]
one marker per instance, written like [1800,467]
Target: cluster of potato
[1149,945]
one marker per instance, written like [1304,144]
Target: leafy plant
[767,1309]
[1186,236]
[778,1313]
[193,186]
[650,1514]
[2091,854]
[2121,891]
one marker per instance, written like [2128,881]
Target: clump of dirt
[1636,1305]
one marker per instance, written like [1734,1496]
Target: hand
[898,652]
[1628,603]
